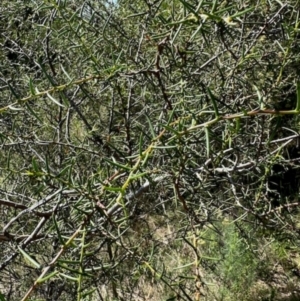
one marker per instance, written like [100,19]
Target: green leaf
[34,165]
[88,292]
[298,97]
[171,130]
[54,100]
[51,275]
[146,157]
[31,88]
[214,6]
[65,72]
[114,189]
[69,277]
[29,260]
[137,176]
[184,266]
[210,17]
[260,98]
[33,112]
[213,99]
[64,98]
[13,90]
[171,115]
[65,170]
[60,238]
[117,164]
[188,6]
[141,144]
[237,124]
[50,79]
[8,160]
[151,127]
[242,12]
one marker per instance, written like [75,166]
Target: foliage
[149,150]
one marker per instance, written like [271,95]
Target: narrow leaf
[51,275]
[188,6]
[260,99]
[60,238]
[171,115]
[69,277]
[31,88]
[14,108]
[46,73]
[207,141]
[117,164]
[141,144]
[213,99]
[29,259]
[65,170]
[13,90]
[151,127]
[165,146]
[242,12]
[54,100]
[35,165]
[214,7]
[33,113]
[64,98]
[88,293]
[298,97]
[65,72]
[140,175]
[114,189]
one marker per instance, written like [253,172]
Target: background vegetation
[149,150]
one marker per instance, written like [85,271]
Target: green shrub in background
[238,265]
